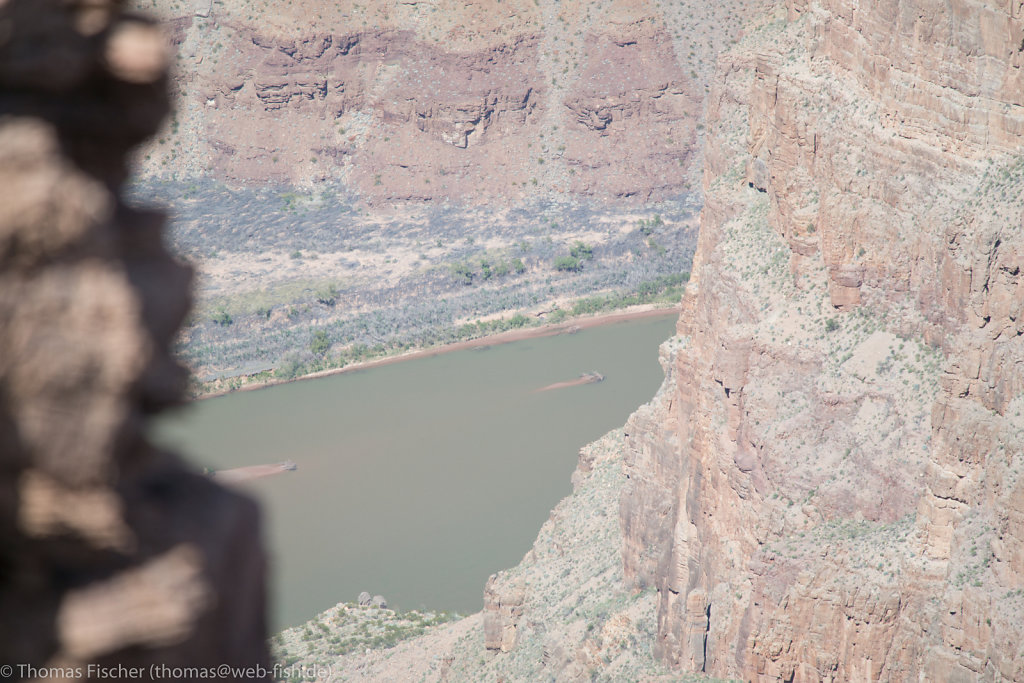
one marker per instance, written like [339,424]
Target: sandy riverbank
[566,327]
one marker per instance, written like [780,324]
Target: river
[419,479]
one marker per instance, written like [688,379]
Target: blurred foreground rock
[111,551]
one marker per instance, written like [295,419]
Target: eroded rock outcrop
[113,551]
[467,102]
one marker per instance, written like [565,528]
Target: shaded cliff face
[113,553]
[835,491]
[479,102]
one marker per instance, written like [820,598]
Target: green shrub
[462,273]
[557,315]
[222,317]
[319,343]
[581,251]
[569,264]
[290,367]
[328,296]
[518,320]
[589,305]
[653,244]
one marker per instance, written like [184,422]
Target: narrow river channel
[419,479]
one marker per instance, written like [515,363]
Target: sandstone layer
[113,552]
[468,102]
[839,494]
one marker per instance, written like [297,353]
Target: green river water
[419,479]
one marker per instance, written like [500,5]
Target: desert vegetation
[349,627]
[294,282]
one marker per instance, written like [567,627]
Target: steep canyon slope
[844,500]
[828,486]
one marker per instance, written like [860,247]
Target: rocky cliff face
[475,102]
[829,485]
[835,492]
[113,553]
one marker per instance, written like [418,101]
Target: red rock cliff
[478,102]
[834,492]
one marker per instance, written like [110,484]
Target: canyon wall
[828,486]
[838,496]
[112,552]
[476,103]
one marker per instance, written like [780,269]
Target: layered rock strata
[835,493]
[113,552]
[468,102]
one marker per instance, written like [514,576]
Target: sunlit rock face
[835,492]
[828,485]
[468,102]
[112,552]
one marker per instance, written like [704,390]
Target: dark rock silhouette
[111,550]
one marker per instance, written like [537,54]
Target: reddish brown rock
[470,102]
[503,606]
[838,495]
